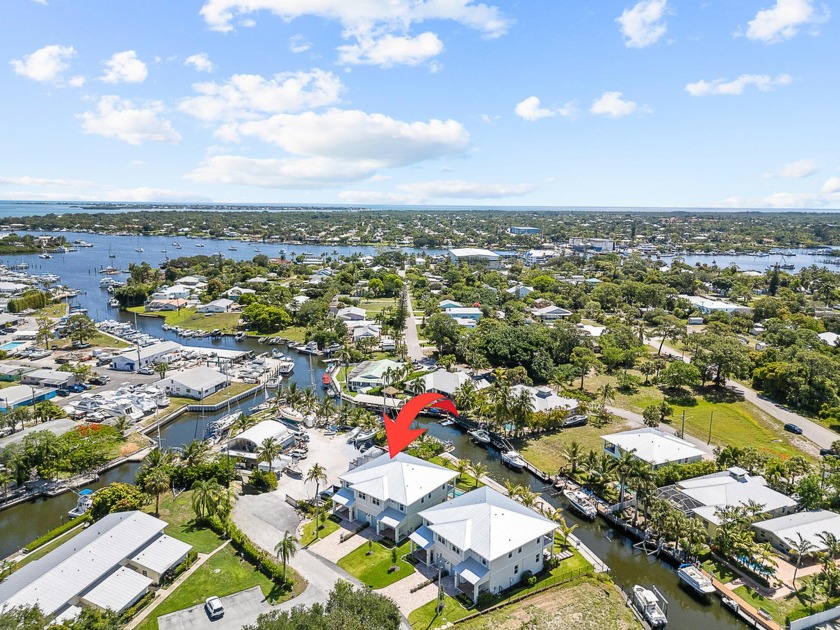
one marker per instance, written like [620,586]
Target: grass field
[188,318]
[778,608]
[307,533]
[99,340]
[546,451]
[376,305]
[372,570]
[178,512]
[426,617]
[292,333]
[223,395]
[223,574]
[57,310]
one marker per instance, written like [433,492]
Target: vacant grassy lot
[221,396]
[546,451]
[778,608]
[426,617]
[376,305]
[99,340]
[372,570]
[59,309]
[188,318]
[178,512]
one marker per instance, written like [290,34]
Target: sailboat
[110,253]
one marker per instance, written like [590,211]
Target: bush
[249,551]
[485,599]
[55,533]
[144,601]
[118,497]
[221,470]
[264,480]
[171,575]
[529,578]
[30,299]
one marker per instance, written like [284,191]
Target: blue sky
[538,102]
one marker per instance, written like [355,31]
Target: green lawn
[228,392]
[465,481]
[426,617]
[376,305]
[223,574]
[292,333]
[307,534]
[178,512]
[372,570]
[99,340]
[188,318]
[546,451]
[57,310]
[778,608]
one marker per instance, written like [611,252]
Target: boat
[277,354]
[272,383]
[45,256]
[287,413]
[139,250]
[262,339]
[233,249]
[218,427]
[580,502]
[365,436]
[446,422]
[84,503]
[292,469]
[114,303]
[513,460]
[310,348]
[480,436]
[286,367]
[240,336]
[199,244]
[648,605]
[695,579]
[353,433]
[730,603]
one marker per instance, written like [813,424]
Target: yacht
[233,249]
[199,244]
[114,303]
[514,460]
[310,348]
[581,503]
[84,503]
[648,605]
[240,336]
[353,433]
[364,436]
[287,413]
[272,383]
[481,436]
[286,367]
[695,579]
[45,256]
[139,250]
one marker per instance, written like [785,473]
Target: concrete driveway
[241,609]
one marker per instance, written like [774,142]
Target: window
[516,569]
[537,558]
[484,561]
[362,496]
[375,501]
[510,555]
[422,499]
[520,550]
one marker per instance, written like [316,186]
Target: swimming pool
[11,345]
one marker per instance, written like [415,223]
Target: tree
[45,331]
[443,331]
[268,452]
[286,549]
[155,484]
[624,466]
[584,360]
[319,475]
[478,470]
[573,454]
[607,393]
[118,497]
[679,374]
[651,416]
[195,453]
[209,498]
[800,547]
[647,367]
[79,328]
[160,367]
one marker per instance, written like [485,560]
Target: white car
[213,606]
[146,371]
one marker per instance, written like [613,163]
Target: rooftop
[473,252]
[653,446]
[403,479]
[811,525]
[198,378]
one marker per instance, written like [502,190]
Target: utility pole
[439,608]
[682,430]
[711,414]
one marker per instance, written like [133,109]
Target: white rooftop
[198,378]
[263,430]
[154,350]
[473,252]
[809,524]
[448,383]
[544,399]
[487,522]
[119,590]
[403,479]
[653,446]
[162,553]
[829,337]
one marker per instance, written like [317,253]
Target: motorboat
[277,354]
[364,436]
[286,367]
[272,383]
[240,336]
[730,603]
[114,303]
[696,580]
[514,460]
[647,603]
[310,348]
[84,503]
[45,256]
[292,415]
[581,503]
[353,433]
[446,422]
[481,436]
[326,380]
[139,250]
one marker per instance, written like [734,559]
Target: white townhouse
[486,540]
[389,493]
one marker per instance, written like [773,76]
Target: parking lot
[241,609]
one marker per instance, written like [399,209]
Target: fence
[815,619]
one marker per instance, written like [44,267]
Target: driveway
[241,609]
[412,340]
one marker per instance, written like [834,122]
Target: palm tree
[463,466]
[208,498]
[416,386]
[607,393]
[624,467]
[5,478]
[647,368]
[832,547]
[466,396]
[319,475]
[573,454]
[528,498]
[344,357]
[242,423]
[521,410]
[801,547]
[158,458]
[122,424]
[478,470]
[156,482]
[286,549]
[513,490]
[195,453]
[326,410]
[268,451]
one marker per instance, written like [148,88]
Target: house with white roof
[652,446]
[371,374]
[708,305]
[238,292]
[351,313]
[365,331]
[175,292]
[109,565]
[447,383]
[197,383]
[247,444]
[445,304]
[810,525]
[475,255]
[544,399]
[389,493]
[550,313]
[701,497]
[465,315]
[131,360]
[519,291]
[222,305]
[829,337]
[486,540]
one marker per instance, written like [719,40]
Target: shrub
[485,599]
[140,605]
[249,551]
[529,578]
[264,480]
[55,533]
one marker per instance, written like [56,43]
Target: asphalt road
[241,609]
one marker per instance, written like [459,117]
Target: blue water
[11,345]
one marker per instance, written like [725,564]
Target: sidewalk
[163,593]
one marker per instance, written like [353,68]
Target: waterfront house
[447,383]
[247,444]
[166,305]
[652,446]
[701,497]
[197,383]
[544,399]
[222,305]
[370,374]
[109,565]
[131,360]
[175,292]
[486,540]
[810,525]
[390,493]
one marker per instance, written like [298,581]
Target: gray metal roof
[119,590]
[162,554]
[199,378]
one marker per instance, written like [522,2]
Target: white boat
[513,460]
[447,422]
[648,605]
[287,413]
[695,579]
[353,433]
[139,250]
[240,336]
[199,244]
[310,348]
[84,503]
[286,367]
[114,303]
[365,436]
[580,502]
[45,256]
[481,436]
[272,383]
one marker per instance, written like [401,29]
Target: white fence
[815,620]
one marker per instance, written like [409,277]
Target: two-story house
[484,539]
[389,493]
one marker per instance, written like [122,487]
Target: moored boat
[581,503]
[480,436]
[513,460]
[84,503]
[696,580]
[647,604]
[285,367]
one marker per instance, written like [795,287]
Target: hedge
[144,601]
[253,554]
[55,533]
[30,299]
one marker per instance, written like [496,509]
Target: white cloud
[784,19]
[124,67]
[249,95]
[795,170]
[299,44]
[762,82]
[200,61]
[613,105]
[280,173]
[390,50]
[832,185]
[121,119]
[27,180]
[45,64]
[532,110]
[423,192]
[642,24]
[45,188]
[363,14]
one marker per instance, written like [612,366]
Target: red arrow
[399,431]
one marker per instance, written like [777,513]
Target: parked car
[62,391]
[299,453]
[103,361]
[80,345]
[829,452]
[793,428]
[100,380]
[214,607]
[78,388]
[146,371]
